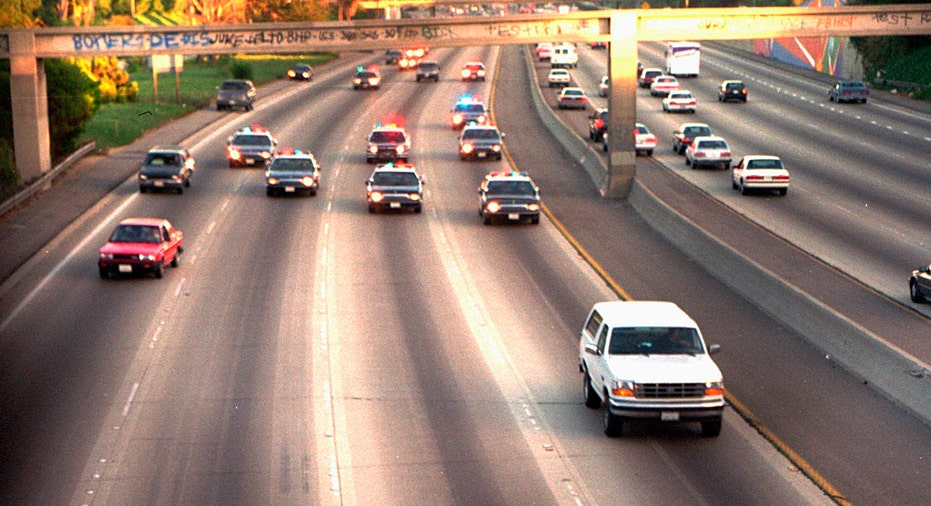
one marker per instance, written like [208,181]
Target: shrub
[72,100]
[241,70]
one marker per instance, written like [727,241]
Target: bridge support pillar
[622,104]
[30,107]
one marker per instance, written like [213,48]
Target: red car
[140,246]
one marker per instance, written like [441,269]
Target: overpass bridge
[27,48]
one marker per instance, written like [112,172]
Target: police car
[395,187]
[469,109]
[510,196]
[294,172]
[387,143]
[480,141]
[250,146]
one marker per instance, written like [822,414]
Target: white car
[760,172]
[644,140]
[572,98]
[679,101]
[559,77]
[708,150]
[662,85]
[604,87]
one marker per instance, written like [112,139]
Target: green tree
[72,100]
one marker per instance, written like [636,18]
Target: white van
[683,59]
[564,56]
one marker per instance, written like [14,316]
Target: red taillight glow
[781,178]
[754,178]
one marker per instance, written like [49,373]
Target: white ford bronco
[647,360]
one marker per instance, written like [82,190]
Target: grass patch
[118,124]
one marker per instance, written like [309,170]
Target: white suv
[647,360]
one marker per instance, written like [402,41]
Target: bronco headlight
[621,388]
[492,207]
[376,196]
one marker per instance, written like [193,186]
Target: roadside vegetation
[119,123]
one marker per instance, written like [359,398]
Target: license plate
[513,216]
[250,161]
[669,416]
[125,268]
[395,205]
[482,154]
[159,183]
[289,189]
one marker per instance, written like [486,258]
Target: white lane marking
[55,270]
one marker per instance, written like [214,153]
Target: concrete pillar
[30,107]
[622,105]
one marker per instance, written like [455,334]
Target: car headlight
[373,149]
[357,80]
[266,154]
[457,119]
[533,207]
[106,256]
[147,257]
[621,388]
[414,196]
[467,148]
[496,148]
[401,149]
[291,73]
[235,154]
[480,119]
[466,72]
[373,81]
[142,177]
[376,196]
[714,388]
[272,180]
[307,180]
[493,207]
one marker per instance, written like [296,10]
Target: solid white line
[48,277]
[129,401]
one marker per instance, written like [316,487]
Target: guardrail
[46,179]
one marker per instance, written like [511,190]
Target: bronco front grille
[669,390]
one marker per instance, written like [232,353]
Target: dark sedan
[919,285]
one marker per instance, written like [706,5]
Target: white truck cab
[647,360]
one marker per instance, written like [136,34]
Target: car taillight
[781,178]
[700,154]
[754,178]
[725,153]
[650,138]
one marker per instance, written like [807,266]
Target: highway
[307,351]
